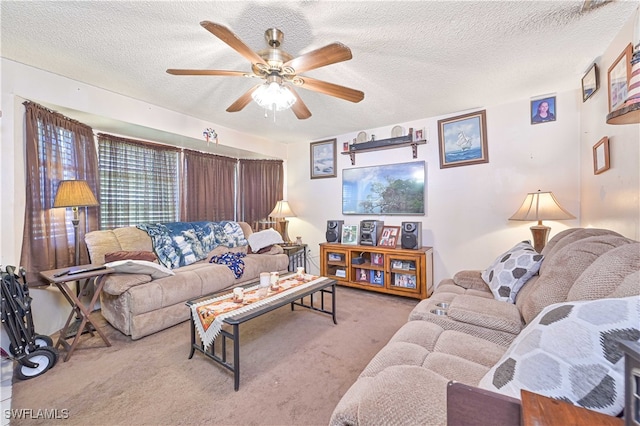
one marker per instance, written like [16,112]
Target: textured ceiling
[411,59]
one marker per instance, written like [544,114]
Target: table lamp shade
[74,193]
[282,210]
[541,206]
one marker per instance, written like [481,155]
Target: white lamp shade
[541,206]
[281,210]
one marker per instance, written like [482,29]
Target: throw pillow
[570,352]
[140,267]
[262,239]
[511,270]
[149,256]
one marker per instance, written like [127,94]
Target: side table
[297,256]
[538,410]
[80,310]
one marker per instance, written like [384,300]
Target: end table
[297,256]
[78,308]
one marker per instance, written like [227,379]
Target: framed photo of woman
[543,110]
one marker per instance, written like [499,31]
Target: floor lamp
[281,211]
[74,194]
[540,206]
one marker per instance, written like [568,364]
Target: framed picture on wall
[543,110]
[323,159]
[590,82]
[618,79]
[463,140]
[601,156]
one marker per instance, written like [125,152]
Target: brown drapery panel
[261,185]
[57,148]
[208,187]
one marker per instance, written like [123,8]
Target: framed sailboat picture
[463,140]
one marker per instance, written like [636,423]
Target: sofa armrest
[489,313]
[470,280]
[471,406]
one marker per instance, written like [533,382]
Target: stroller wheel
[42,340]
[43,357]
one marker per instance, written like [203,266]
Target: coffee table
[296,298]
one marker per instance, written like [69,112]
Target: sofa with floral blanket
[192,259]
[548,322]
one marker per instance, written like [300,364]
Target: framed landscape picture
[350,234]
[394,189]
[590,82]
[463,140]
[323,159]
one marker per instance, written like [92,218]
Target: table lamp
[280,212]
[540,206]
[74,194]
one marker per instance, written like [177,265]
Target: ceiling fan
[279,69]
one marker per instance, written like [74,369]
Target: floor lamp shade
[539,206]
[281,211]
[74,194]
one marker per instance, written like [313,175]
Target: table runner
[209,314]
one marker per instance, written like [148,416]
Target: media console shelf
[378,145]
[402,272]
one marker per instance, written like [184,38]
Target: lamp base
[282,227]
[540,235]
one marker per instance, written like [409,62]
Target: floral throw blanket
[182,243]
[232,260]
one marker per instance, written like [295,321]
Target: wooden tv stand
[398,271]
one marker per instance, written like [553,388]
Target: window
[138,182]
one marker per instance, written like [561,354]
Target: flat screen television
[393,189]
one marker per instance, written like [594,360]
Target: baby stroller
[34,352]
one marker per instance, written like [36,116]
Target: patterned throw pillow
[570,352]
[511,270]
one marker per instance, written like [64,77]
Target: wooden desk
[79,309]
[538,410]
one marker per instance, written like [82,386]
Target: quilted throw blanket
[232,260]
[182,243]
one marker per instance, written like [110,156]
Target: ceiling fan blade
[330,54]
[243,100]
[226,35]
[174,71]
[299,108]
[331,89]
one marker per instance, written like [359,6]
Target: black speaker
[334,231]
[411,235]
[370,231]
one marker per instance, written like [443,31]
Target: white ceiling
[412,60]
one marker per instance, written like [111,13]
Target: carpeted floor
[295,366]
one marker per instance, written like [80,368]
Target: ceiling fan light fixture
[273,96]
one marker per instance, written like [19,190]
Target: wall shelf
[399,142]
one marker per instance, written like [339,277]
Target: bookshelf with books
[403,272]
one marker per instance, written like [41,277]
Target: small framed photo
[377,259]
[543,110]
[376,277]
[618,79]
[463,140]
[362,275]
[389,236]
[323,159]
[418,134]
[404,280]
[590,82]
[350,234]
[601,156]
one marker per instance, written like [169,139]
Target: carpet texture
[295,367]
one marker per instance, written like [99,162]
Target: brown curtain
[208,187]
[57,148]
[261,185]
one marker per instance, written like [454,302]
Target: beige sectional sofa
[558,339]
[138,305]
